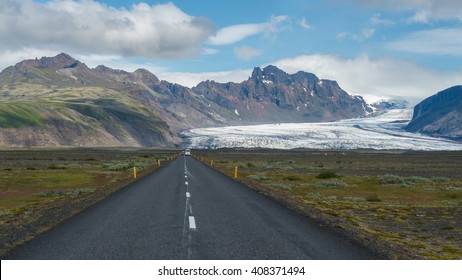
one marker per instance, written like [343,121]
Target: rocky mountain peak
[256,73]
[60,61]
[107,70]
[145,76]
[271,94]
[303,77]
[57,62]
[273,70]
[269,73]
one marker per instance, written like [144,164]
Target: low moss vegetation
[411,202]
[327,175]
[26,175]
[34,180]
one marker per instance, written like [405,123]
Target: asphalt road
[187,210]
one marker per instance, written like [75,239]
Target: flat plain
[406,204]
[42,187]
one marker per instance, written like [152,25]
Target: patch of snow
[381,133]
[267,81]
[312,93]
[320,83]
[371,99]
[248,108]
[298,108]
[236,112]
[393,115]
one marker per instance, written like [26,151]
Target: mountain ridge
[59,101]
[439,115]
[103,102]
[303,97]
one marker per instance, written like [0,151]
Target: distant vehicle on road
[187,152]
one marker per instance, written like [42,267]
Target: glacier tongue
[383,132]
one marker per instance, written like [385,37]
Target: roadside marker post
[211,163]
[235,172]
[158,162]
[134,172]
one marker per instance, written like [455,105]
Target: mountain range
[56,101]
[60,101]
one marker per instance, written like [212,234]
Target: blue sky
[371,47]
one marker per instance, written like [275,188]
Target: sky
[405,48]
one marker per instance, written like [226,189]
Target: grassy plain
[41,187]
[406,204]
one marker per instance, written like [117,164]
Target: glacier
[382,132]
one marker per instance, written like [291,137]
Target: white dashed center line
[188,217]
[192,223]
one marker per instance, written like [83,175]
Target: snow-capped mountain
[271,95]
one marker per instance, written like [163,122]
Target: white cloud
[440,41]
[365,76]
[236,33]
[378,20]
[421,16]
[362,36]
[425,10]
[303,23]
[158,31]
[209,51]
[246,53]
[275,25]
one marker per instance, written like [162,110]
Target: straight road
[187,210]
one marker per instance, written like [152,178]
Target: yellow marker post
[134,172]
[235,172]
[158,162]
[211,163]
